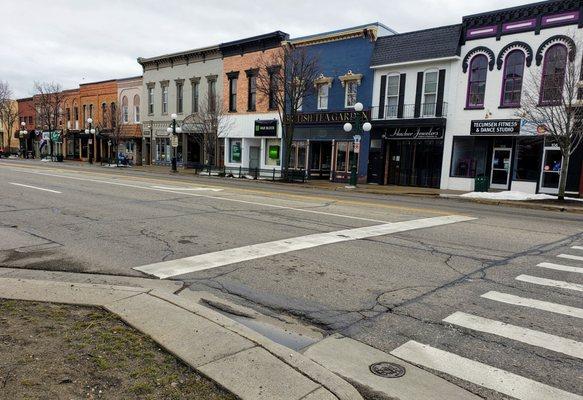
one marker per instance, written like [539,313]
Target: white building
[413,94]
[486,136]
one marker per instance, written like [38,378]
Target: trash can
[482,184]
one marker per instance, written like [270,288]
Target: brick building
[246,147]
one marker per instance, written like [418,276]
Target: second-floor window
[393,84]
[179,98]
[512,83]
[150,100]
[195,89]
[165,99]
[351,92]
[273,90]
[125,110]
[233,94]
[430,93]
[136,108]
[212,95]
[477,82]
[553,78]
[90,110]
[252,93]
[323,90]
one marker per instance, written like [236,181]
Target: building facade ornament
[479,50]
[566,40]
[512,46]
[350,76]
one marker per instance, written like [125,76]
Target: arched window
[477,81]
[125,110]
[513,75]
[553,77]
[136,109]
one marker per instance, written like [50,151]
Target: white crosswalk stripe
[550,282]
[570,257]
[480,374]
[529,336]
[533,303]
[559,267]
[577,247]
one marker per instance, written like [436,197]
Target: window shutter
[440,90]
[401,96]
[382,97]
[418,94]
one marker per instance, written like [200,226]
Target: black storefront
[407,152]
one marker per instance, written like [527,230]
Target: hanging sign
[266,127]
[495,127]
[175,141]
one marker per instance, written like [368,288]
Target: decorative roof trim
[426,61]
[513,46]
[566,40]
[474,52]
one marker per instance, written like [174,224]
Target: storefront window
[163,149]
[528,159]
[298,155]
[469,157]
[272,152]
[345,156]
[235,150]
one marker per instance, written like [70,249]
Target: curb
[244,362]
[517,204]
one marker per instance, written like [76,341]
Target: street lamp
[22,133]
[90,130]
[174,130]
[359,128]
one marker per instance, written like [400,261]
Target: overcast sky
[73,41]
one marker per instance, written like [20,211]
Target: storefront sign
[496,127]
[340,117]
[532,128]
[236,151]
[274,152]
[266,128]
[175,141]
[413,133]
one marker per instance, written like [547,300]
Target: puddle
[287,338]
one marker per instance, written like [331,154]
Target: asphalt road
[384,289]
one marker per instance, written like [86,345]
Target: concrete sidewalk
[236,357]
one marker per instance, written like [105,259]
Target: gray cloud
[71,42]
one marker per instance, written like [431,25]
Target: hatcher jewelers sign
[496,127]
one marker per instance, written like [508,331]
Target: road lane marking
[577,247]
[34,187]
[570,257]
[256,192]
[196,189]
[560,267]
[209,197]
[550,282]
[529,336]
[202,262]
[533,303]
[484,375]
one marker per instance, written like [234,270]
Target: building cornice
[416,62]
[179,58]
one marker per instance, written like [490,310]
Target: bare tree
[8,113]
[553,103]
[49,101]
[285,78]
[208,126]
[112,120]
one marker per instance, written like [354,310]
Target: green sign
[55,136]
[236,152]
[274,152]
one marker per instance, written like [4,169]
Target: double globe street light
[90,130]
[175,131]
[359,128]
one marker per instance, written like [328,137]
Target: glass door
[551,170]
[500,168]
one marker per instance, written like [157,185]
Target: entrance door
[376,166]
[254,157]
[551,170]
[500,168]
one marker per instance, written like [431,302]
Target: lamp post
[359,128]
[22,133]
[90,130]
[175,131]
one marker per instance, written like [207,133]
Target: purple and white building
[485,135]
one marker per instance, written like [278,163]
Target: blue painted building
[321,146]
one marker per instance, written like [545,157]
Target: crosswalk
[500,380]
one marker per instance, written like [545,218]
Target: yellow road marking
[266,193]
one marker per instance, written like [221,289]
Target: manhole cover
[387,370]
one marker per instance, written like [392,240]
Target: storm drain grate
[387,369]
